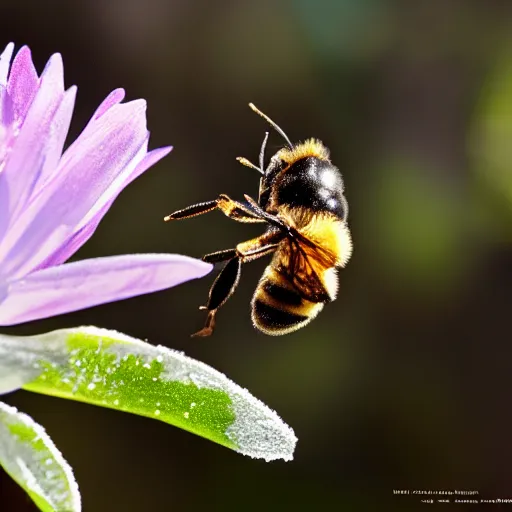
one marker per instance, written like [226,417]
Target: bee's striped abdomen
[278,309]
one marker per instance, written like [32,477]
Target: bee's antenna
[269,121]
[247,163]
[262,153]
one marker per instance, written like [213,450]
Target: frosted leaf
[29,456]
[124,373]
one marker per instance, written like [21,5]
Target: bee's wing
[305,261]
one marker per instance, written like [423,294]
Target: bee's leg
[192,211]
[250,254]
[227,281]
[249,250]
[217,257]
[232,209]
[273,220]
[222,288]
[256,248]
[237,211]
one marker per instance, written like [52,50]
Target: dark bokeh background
[405,381]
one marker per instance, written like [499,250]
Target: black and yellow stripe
[279,309]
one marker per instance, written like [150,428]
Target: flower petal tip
[8,48]
[138,106]
[142,105]
[5,61]
[198,268]
[115,97]
[24,51]
[164,151]
[203,268]
[194,268]
[54,68]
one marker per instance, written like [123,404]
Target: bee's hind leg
[217,257]
[222,288]
[227,281]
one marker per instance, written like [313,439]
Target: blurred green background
[405,381]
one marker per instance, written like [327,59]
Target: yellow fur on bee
[324,229]
[310,147]
[333,234]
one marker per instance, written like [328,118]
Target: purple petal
[87,283]
[115,97]
[23,82]
[6,129]
[6,120]
[103,204]
[89,224]
[57,138]
[5,60]
[87,169]
[29,151]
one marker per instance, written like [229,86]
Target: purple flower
[51,202]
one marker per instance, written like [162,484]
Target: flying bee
[302,204]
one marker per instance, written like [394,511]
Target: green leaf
[110,369]
[28,454]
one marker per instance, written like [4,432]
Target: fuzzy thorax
[308,148]
[324,229]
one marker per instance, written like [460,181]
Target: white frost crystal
[256,430]
[28,458]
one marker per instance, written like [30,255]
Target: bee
[301,201]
